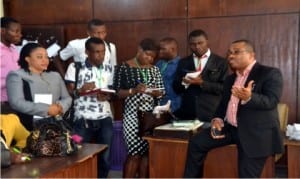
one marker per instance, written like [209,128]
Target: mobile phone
[217,132]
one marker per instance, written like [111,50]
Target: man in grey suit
[201,92]
[247,116]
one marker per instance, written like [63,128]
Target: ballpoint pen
[138,81]
[17,151]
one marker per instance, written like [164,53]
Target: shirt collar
[206,54]
[247,70]
[12,46]
[89,65]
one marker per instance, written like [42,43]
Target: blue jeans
[100,132]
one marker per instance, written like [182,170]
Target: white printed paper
[189,76]
[42,98]
[192,75]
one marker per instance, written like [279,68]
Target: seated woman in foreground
[34,92]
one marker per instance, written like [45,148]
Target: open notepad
[98,91]
[149,90]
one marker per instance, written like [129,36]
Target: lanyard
[99,75]
[144,73]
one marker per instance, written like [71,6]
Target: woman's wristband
[76,93]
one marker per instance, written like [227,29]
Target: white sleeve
[70,73]
[113,54]
[67,52]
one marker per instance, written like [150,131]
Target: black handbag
[68,117]
[148,121]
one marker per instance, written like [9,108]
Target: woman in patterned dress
[131,80]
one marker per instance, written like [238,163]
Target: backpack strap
[108,45]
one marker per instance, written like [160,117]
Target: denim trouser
[100,132]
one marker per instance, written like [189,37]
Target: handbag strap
[77,68]
[26,119]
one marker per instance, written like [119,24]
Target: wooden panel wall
[273,26]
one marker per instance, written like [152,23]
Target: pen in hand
[17,151]
[140,87]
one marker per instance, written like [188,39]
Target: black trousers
[201,143]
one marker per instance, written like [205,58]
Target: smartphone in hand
[217,134]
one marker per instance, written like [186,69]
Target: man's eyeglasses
[235,52]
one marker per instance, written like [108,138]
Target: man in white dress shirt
[76,48]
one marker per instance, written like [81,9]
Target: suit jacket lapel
[191,64]
[253,74]
[209,63]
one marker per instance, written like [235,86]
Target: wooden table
[167,160]
[293,158]
[83,164]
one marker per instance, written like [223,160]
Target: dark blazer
[200,101]
[258,123]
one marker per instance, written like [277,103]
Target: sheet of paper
[190,75]
[53,50]
[42,98]
[24,42]
[193,74]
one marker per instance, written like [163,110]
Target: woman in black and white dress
[131,80]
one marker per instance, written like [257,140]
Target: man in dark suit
[247,116]
[201,92]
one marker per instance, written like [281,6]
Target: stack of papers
[184,126]
[178,132]
[185,123]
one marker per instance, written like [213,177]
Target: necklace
[143,73]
